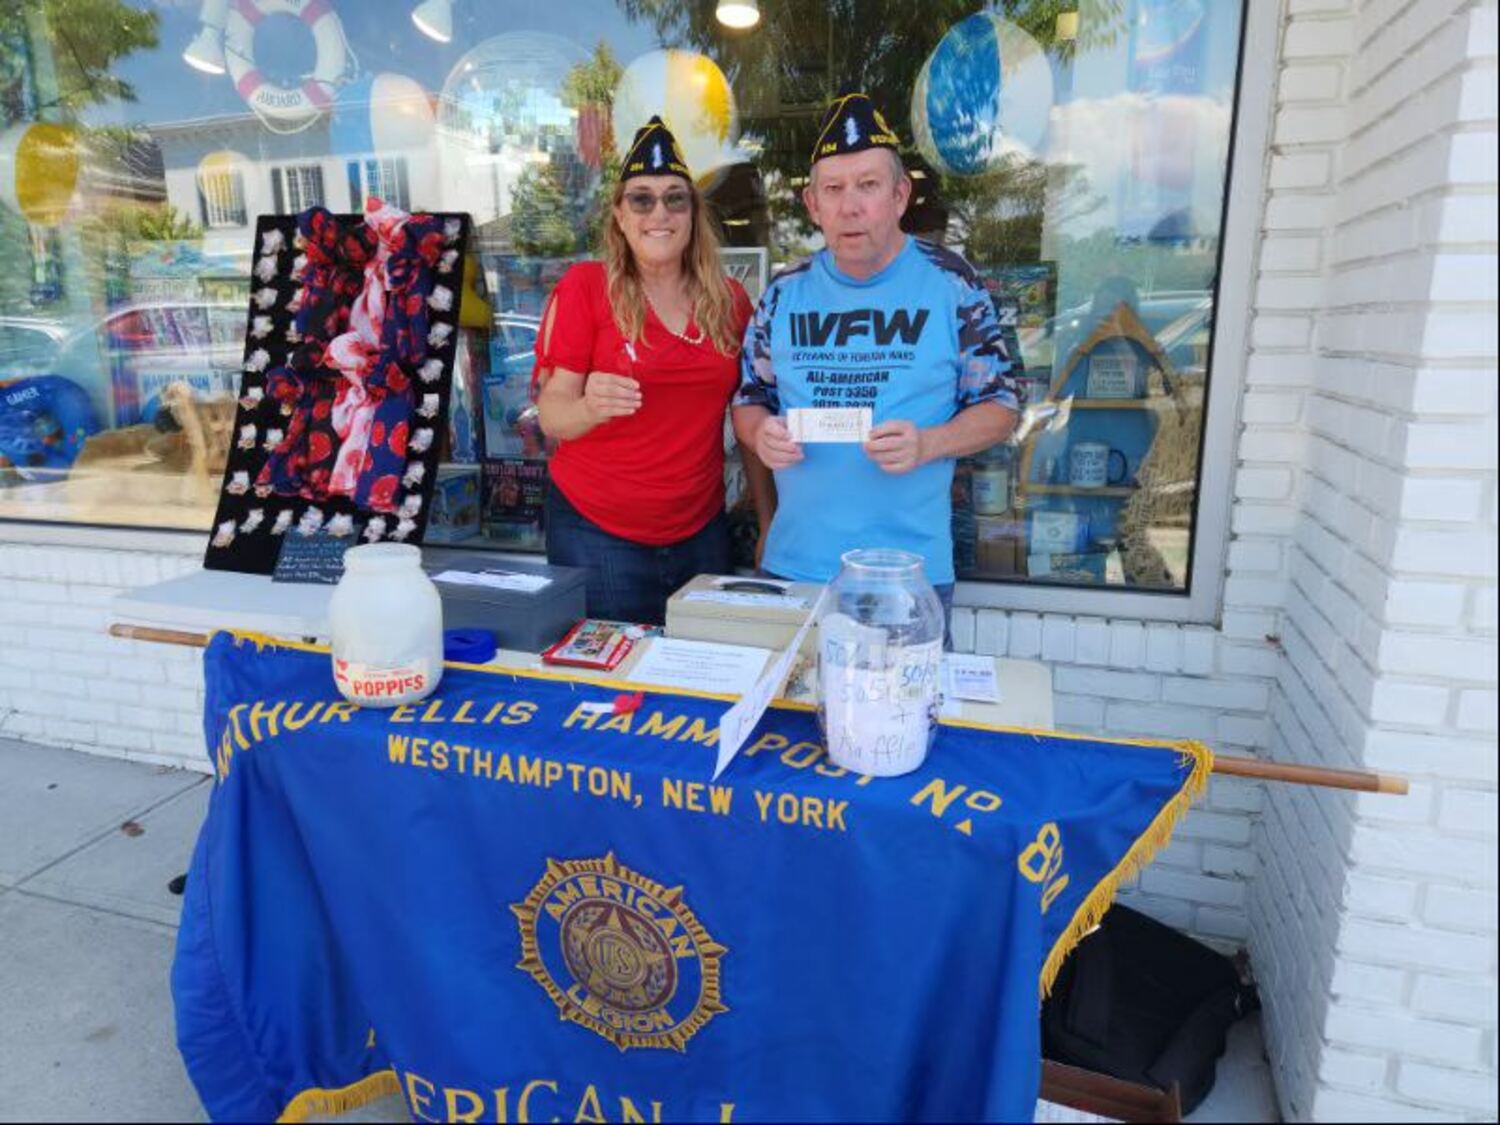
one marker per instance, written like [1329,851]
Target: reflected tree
[804,51]
[590,89]
[57,57]
[88,36]
[540,220]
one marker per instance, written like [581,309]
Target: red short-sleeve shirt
[656,476]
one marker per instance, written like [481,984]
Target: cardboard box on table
[759,625]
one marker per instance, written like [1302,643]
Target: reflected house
[225,171]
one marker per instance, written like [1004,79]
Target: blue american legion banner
[510,903]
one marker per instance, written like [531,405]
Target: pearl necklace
[684,337]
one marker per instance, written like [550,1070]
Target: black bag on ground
[1139,1001]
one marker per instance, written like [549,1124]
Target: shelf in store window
[1116,491]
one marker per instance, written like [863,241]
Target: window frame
[281,185]
[235,178]
[357,169]
[1229,355]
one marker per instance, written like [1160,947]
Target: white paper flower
[292,335]
[341,525]
[447,261]
[311,520]
[431,371]
[375,529]
[260,327]
[421,441]
[451,230]
[437,335]
[414,474]
[265,269]
[299,263]
[258,360]
[272,242]
[238,485]
[295,303]
[441,299]
[283,521]
[252,396]
[224,534]
[404,528]
[265,298]
[254,519]
[247,436]
[273,437]
[411,506]
[429,407]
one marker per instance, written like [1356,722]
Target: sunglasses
[644,202]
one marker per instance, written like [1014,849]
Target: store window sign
[1079,164]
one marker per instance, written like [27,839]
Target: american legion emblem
[619,953]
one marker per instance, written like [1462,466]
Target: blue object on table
[409,899]
[469,646]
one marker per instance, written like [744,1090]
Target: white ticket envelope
[827,423]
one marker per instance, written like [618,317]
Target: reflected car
[1186,340]
[143,347]
[1068,329]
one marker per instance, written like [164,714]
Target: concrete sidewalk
[87,927]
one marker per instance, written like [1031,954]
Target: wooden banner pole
[1362,781]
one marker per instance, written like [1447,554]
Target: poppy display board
[348,367]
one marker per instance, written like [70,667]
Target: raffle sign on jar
[879,699]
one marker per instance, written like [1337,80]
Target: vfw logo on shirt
[880,326]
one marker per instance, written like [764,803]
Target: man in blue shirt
[879,320]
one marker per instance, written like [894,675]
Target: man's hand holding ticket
[829,424]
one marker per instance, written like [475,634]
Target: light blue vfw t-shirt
[919,341]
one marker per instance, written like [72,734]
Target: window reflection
[1075,152]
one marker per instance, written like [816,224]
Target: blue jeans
[630,581]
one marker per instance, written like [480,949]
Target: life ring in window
[314,95]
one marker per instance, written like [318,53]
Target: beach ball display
[381,113]
[694,99]
[39,170]
[507,93]
[984,92]
[501,116]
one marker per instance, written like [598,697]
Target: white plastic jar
[387,623]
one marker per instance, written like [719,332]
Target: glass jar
[990,482]
[880,651]
[386,620]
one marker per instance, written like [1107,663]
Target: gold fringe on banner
[331,1103]
[1199,759]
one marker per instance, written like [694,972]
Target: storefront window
[1076,151]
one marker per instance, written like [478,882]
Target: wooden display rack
[1123,324]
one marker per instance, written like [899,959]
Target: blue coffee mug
[1092,464]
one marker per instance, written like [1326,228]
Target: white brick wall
[1358,624]
[64,680]
[1388,622]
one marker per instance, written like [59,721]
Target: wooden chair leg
[1106,1096]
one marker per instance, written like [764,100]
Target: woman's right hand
[606,396]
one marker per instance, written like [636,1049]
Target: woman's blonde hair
[713,303]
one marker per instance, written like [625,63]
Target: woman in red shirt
[637,361]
